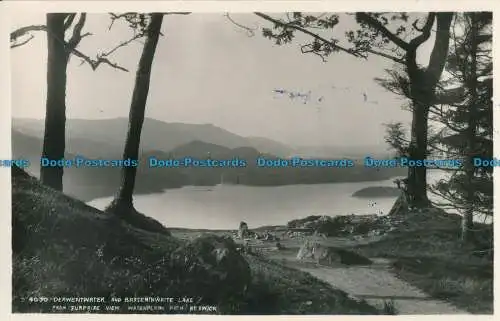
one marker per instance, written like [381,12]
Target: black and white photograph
[252,163]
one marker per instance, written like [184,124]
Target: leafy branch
[286,35]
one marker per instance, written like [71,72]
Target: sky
[207,70]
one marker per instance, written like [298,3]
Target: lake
[225,206]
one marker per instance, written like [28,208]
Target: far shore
[95,193]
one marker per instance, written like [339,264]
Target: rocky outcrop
[328,255]
[213,260]
[343,226]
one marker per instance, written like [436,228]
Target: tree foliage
[393,36]
[463,110]
[468,117]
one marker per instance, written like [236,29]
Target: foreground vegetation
[64,248]
[427,254]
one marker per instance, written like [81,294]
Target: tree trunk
[467,219]
[423,86]
[55,116]
[417,176]
[123,200]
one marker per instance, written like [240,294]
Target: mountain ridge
[165,136]
[90,183]
[156,134]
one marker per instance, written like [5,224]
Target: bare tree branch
[304,50]
[122,44]
[69,20]
[250,31]
[24,30]
[22,43]
[77,36]
[115,17]
[441,47]
[426,31]
[414,24]
[95,63]
[382,54]
[73,42]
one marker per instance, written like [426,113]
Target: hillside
[269,146]
[89,183]
[107,138]
[53,256]
[156,135]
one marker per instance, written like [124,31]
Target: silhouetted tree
[464,108]
[151,23]
[122,205]
[374,38]
[468,117]
[55,113]
[58,56]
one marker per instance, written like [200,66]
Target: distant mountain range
[108,137]
[105,139]
[156,135]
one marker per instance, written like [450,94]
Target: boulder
[352,258]
[328,255]
[213,269]
[305,251]
[243,230]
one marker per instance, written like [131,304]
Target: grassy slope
[429,255]
[62,247]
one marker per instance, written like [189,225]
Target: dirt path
[376,284]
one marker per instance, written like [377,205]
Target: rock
[243,230]
[310,224]
[327,255]
[211,262]
[324,218]
[305,251]
[352,258]
[269,236]
[345,225]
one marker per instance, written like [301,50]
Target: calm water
[225,206]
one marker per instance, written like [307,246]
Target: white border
[10,8]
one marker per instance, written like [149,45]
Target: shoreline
[162,190]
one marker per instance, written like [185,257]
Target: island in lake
[377,191]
